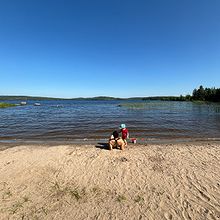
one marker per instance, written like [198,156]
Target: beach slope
[167,181]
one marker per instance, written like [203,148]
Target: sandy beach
[151,181]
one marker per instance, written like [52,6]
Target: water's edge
[105,141]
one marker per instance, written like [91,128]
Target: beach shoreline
[7,143]
[87,181]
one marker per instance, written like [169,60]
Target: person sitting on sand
[116,141]
[124,133]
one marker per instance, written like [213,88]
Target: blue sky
[118,48]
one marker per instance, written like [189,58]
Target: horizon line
[91,97]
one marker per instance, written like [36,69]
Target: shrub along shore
[6,105]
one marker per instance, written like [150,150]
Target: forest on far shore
[206,94]
[200,94]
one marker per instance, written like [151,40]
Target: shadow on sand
[103,146]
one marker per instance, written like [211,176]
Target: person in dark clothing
[116,141]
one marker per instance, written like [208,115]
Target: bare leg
[111,144]
[121,144]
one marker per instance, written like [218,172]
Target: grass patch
[75,194]
[121,198]
[200,102]
[15,207]
[151,105]
[61,191]
[6,194]
[18,205]
[6,105]
[26,199]
[96,190]
[139,199]
[135,105]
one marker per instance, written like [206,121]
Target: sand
[163,181]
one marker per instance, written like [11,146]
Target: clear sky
[118,48]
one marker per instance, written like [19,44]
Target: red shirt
[124,133]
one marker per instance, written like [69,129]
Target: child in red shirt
[124,133]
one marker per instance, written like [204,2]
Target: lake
[74,120]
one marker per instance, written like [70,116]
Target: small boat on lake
[23,103]
[37,104]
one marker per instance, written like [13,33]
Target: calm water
[74,120]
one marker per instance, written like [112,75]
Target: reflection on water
[70,120]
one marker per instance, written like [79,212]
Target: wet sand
[151,181]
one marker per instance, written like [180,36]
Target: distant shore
[149,181]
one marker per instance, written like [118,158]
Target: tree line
[200,94]
[206,94]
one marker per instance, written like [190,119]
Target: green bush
[6,105]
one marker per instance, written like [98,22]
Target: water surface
[95,120]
